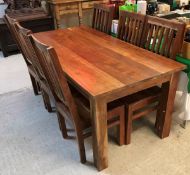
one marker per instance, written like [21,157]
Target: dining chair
[102,17]
[26,46]
[130,27]
[70,104]
[10,23]
[139,105]
[162,37]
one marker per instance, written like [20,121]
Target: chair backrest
[10,21]
[162,36]
[11,25]
[56,78]
[23,34]
[102,17]
[130,27]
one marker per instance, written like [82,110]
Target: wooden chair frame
[34,80]
[102,17]
[162,36]
[130,27]
[26,45]
[67,101]
[156,35]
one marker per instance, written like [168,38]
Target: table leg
[100,136]
[164,114]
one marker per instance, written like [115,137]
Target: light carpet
[13,73]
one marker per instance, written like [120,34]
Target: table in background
[63,7]
[104,69]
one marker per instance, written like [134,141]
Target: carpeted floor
[31,143]
[13,74]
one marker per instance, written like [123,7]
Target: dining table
[104,69]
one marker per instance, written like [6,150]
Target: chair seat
[83,107]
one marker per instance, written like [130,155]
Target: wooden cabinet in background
[8,45]
[63,7]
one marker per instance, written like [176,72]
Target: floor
[31,143]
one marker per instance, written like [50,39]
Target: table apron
[128,90]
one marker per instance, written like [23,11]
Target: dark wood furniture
[116,3]
[105,69]
[139,105]
[34,79]
[62,7]
[7,43]
[39,84]
[102,17]
[162,36]
[159,36]
[71,105]
[26,46]
[130,27]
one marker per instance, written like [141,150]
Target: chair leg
[184,124]
[44,100]
[79,136]
[121,128]
[80,139]
[47,102]
[128,125]
[38,86]
[62,125]
[34,85]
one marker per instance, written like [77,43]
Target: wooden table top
[99,63]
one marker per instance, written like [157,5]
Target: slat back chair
[130,27]
[60,89]
[102,17]
[162,36]
[23,36]
[10,23]
[72,105]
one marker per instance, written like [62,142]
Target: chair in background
[26,45]
[72,105]
[102,17]
[130,27]
[116,3]
[29,61]
[34,79]
[163,37]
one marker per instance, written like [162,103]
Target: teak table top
[104,69]
[100,63]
